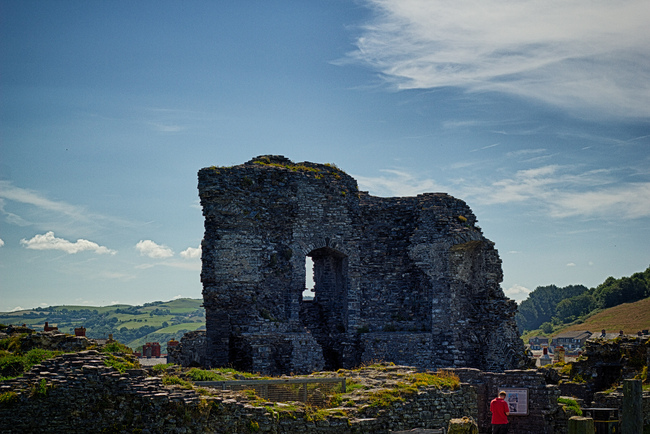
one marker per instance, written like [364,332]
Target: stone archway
[326,315]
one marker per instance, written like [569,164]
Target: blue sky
[536,113]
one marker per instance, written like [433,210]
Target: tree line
[550,305]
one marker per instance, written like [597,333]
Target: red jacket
[499,408]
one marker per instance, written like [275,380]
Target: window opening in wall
[325,316]
[308,293]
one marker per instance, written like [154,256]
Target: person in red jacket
[500,412]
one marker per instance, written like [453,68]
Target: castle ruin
[409,280]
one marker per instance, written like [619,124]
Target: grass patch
[15,364]
[570,404]
[8,398]
[118,362]
[440,380]
[386,397]
[116,347]
[196,374]
[171,380]
[161,368]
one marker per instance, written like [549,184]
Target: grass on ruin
[121,363]
[15,364]
[8,398]
[359,395]
[265,161]
[115,347]
[170,380]
[119,356]
[570,404]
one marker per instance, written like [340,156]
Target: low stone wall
[79,393]
[544,415]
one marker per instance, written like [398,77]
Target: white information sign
[517,400]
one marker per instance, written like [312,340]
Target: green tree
[541,304]
[547,327]
[570,308]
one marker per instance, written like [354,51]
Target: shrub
[161,368]
[8,398]
[570,404]
[119,363]
[14,365]
[116,347]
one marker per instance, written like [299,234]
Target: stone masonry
[409,280]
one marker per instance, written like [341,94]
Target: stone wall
[410,280]
[544,414]
[190,351]
[79,393]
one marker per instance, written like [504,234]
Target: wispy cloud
[153,250]
[9,191]
[397,183]
[47,213]
[48,241]
[626,201]
[571,54]
[560,191]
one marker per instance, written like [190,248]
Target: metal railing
[313,391]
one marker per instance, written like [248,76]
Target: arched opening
[308,293]
[326,314]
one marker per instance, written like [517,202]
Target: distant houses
[538,342]
[571,341]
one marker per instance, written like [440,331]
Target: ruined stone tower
[408,280]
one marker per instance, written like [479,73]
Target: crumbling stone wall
[190,351]
[544,415]
[410,280]
[79,393]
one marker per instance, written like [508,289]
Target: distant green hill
[629,317]
[132,325]
[549,307]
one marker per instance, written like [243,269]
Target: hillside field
[131,325]
[629,317]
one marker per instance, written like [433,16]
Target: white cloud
[564,194]
[48,241]
[559,191]
[2,243]
[191,253]
[16,309]
[153,250]
[397,183]
[568,53]
[570,264]
[517,292]
[625,201]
